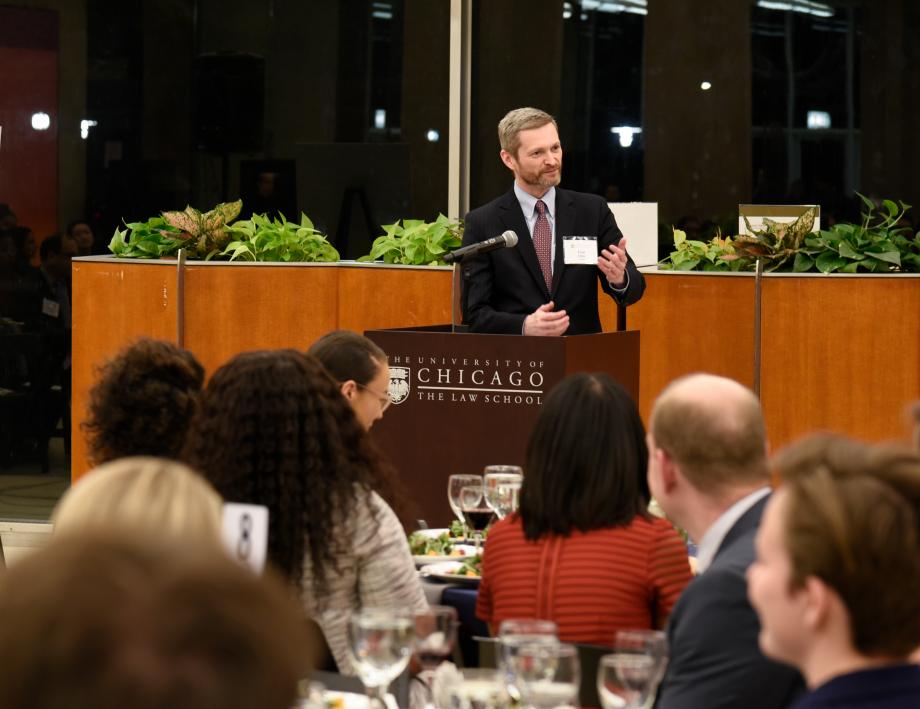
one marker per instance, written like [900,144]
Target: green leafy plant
[265,239]
[151,239]
[876,245]
[201,234]
[777,242]
[415,242]
[717,254]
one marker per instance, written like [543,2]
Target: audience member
[360,367]
[837,577]
[80,231]
[103,621]
[56,253]
[274,430]
[708,471]
[25,247]
[158,497]
[9,278]
[143,401]
[583,550]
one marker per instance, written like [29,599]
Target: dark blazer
[503,287]
[715,662]
[891,687]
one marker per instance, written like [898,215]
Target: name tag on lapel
[51,308]
[580,250]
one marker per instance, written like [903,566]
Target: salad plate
[461,572]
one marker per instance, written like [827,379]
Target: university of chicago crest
[399,384]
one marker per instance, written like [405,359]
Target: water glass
[630,676]
[514,634]
[649,643]
[625,681]
[435,635]
[380,643]
[503,488]
[547,675]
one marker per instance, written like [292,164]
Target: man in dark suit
[546,285]
[708,471]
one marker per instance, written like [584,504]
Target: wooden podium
[463,401]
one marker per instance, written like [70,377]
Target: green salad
[471,566]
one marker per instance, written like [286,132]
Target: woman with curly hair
[143,402]
[275,430]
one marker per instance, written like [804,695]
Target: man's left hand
[612,261]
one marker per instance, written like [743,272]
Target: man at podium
[546,284]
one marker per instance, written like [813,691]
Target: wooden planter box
[838,353]
[235,307]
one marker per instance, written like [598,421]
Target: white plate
[442,571]
[350,700]
[425,559]
[431,533]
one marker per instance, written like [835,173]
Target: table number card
[245,534]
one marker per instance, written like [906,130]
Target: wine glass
[380,645]
[435,635]
[513,634]
[547,674]
[649,643]
[630,676]
[478,515]
[455,483]
[502,488]
[625,681]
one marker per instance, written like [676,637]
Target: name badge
[245,534]
[580,250]
[51,308]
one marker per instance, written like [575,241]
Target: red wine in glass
[478,518]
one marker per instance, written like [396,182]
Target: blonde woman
[154,496]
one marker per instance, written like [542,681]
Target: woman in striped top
[274,430]
[583,551]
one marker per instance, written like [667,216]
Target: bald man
[708,470]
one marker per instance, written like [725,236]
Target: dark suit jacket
[892,687]
[504,286]
[715,662]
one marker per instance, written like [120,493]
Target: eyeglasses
[383,399]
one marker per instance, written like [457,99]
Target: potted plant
[214,234]
[416,242]
[876,245]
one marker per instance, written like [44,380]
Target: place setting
[454,554]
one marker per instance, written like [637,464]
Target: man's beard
[545,180]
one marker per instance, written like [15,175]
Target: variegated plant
[776,242]
[205,233]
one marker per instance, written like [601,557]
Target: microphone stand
[458,298]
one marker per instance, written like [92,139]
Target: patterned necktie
[542,243]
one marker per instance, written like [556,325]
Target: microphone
[506,240]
